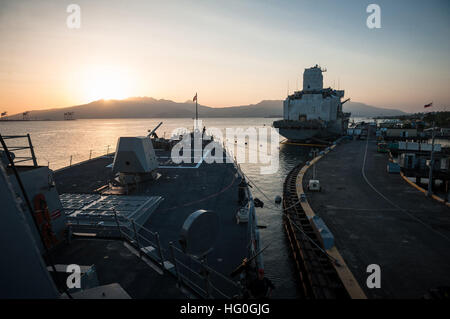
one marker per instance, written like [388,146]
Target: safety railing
[205,281]
[254,240]
[80,157]
[20,149]
[189,271]
[25,153]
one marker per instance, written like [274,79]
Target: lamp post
[430,175]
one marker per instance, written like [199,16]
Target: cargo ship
[314,112]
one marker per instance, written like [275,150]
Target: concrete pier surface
[378,218]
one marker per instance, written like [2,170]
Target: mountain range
[147,107]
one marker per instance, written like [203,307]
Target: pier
[378,218]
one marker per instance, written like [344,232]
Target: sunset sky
[232,52]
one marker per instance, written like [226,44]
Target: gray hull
[298,134]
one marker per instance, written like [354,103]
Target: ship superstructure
[314,111]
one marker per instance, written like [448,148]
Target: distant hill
[363,110]
[147,107]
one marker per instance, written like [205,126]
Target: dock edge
[344,273]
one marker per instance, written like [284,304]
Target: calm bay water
[56,141]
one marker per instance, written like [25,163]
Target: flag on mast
[196,108]
[428,105]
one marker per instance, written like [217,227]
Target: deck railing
[21,155]
[190,271]
[78,158]
[20,149]
[254,242]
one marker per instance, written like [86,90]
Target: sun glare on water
[107,83]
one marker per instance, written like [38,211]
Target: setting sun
[106,83]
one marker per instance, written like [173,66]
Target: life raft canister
[43,220]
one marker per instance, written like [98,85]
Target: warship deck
[185,188]
[117,262]
[378,218]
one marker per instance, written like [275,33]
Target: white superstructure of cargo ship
[314,112]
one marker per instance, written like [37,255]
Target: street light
[430,175]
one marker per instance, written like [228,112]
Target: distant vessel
[69,116]
[314,112]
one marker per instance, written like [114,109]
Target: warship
[315,112]
[134,224]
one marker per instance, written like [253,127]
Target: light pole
[430,175]
[314,165]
